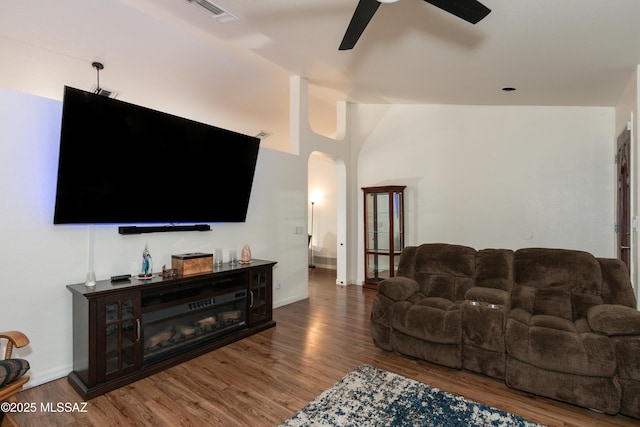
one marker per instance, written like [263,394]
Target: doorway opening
[327,214]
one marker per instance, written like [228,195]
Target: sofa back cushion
[444,271]
[553,302]
[556,282]
[407,262]
[616,285]
[494,269]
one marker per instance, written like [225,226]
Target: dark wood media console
[124,331]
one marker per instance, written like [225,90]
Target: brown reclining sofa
[553,322]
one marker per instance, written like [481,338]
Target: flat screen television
[125,164]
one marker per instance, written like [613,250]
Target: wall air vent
[213,10]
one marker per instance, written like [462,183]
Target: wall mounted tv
[125,164]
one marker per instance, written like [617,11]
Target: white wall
[507,177]
[40,259]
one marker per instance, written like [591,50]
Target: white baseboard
[325,262]
[40,378]
[291,300]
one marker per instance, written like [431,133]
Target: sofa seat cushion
[435,302]
[552,322]
[436,320]
[614,320]
[558,344]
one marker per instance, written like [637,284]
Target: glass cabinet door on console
[118,335]
[260,296]
[384,232]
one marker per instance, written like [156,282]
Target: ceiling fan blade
[470,10]
[361,17]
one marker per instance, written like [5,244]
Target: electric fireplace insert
[177,320]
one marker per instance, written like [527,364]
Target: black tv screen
[123,164]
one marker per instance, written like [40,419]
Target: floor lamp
[311,265]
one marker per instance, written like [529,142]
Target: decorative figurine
[147,263]
[245,257]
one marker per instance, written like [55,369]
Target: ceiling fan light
[387,1]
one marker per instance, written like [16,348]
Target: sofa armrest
[398,288]
[614,320]
[489,295]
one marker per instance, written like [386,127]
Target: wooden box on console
[193,263]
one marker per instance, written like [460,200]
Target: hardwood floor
[264,379]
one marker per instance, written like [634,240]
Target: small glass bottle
[91,279]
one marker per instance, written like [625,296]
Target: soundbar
[162,228]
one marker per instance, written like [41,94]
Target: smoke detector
[213,10]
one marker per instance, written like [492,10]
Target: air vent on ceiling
[213,10]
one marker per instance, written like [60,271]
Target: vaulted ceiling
[569,52]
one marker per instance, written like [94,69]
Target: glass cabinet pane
[398,231]
[128,357]
[396,262]
[378,267]
[112,313]
[127,309]
[120,335]
[259,304]
[112,337]
[128,333]
[371,236]
[112,362]
[378,219]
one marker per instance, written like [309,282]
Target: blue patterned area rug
[369,396]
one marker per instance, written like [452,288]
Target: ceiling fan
[470,10]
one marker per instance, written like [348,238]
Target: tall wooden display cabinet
[383,232]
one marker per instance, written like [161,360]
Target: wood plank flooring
[264,379]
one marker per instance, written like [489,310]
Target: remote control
[120,277]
